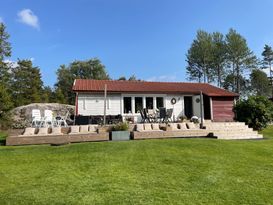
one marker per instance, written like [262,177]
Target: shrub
[195,119]
[5,121]
[256,111]
[183,118]
[122,126]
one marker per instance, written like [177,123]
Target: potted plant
[183,118]
[120,132]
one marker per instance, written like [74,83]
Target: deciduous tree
[90,69]
[260,84]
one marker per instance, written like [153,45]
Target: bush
[183,118]
[194,119]
[256,111]
[5,121]
[122,126]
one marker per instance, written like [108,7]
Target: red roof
[86,85]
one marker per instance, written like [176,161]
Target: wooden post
[104,113]
[201,109]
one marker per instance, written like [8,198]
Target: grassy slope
[174,171]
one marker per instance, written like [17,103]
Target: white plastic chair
[36,118]
[62,120]
[48,119]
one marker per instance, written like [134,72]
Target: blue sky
[142,37]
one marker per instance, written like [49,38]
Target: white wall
[93,104]
[178,107]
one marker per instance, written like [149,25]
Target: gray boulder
[22,116]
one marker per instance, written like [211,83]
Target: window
[159,102]
[138,104]
[127,105]
[149,103]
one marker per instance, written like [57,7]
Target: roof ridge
[140,81]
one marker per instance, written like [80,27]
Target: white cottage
[126,98]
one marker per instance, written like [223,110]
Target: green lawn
[173,171]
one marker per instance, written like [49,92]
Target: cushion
[147,127]
[173,126]
[155,126]
[182,126]
[43,131]
[139,127]
[74,129]
[29,131]
[56,131]
[92,128]
[84,128]
[191,126]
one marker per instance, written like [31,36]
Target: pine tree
[239,57]
[27,84]
[219,56]
[200,58]
[5,97]
[267,62]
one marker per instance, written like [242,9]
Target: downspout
[76,104]
[211,109]
[201,109]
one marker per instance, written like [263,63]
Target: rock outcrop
[22,116]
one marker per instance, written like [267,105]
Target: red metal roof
[86,85]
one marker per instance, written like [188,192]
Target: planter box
[120,135]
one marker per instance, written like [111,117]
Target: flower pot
[120,135]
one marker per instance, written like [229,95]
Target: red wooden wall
[222,109]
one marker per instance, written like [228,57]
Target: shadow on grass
[2,142]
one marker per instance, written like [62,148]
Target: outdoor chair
[144,117]
[36,118]
[61,120]
[169,114]
[162,114]
[151,115]
[48,119]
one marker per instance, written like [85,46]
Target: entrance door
[188,106]
[206,100]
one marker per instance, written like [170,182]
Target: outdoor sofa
[171,130]
[58,135]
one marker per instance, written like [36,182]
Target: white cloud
[169,78]
[27,17]
[1,20]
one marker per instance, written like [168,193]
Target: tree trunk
[233,76]
[237,79]
[270,77]
[219,77]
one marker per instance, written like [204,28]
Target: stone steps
[258,136]
[232,130]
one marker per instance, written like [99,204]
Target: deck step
[232,130]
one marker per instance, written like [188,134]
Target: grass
[173,171]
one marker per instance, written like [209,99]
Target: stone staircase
[232,130]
